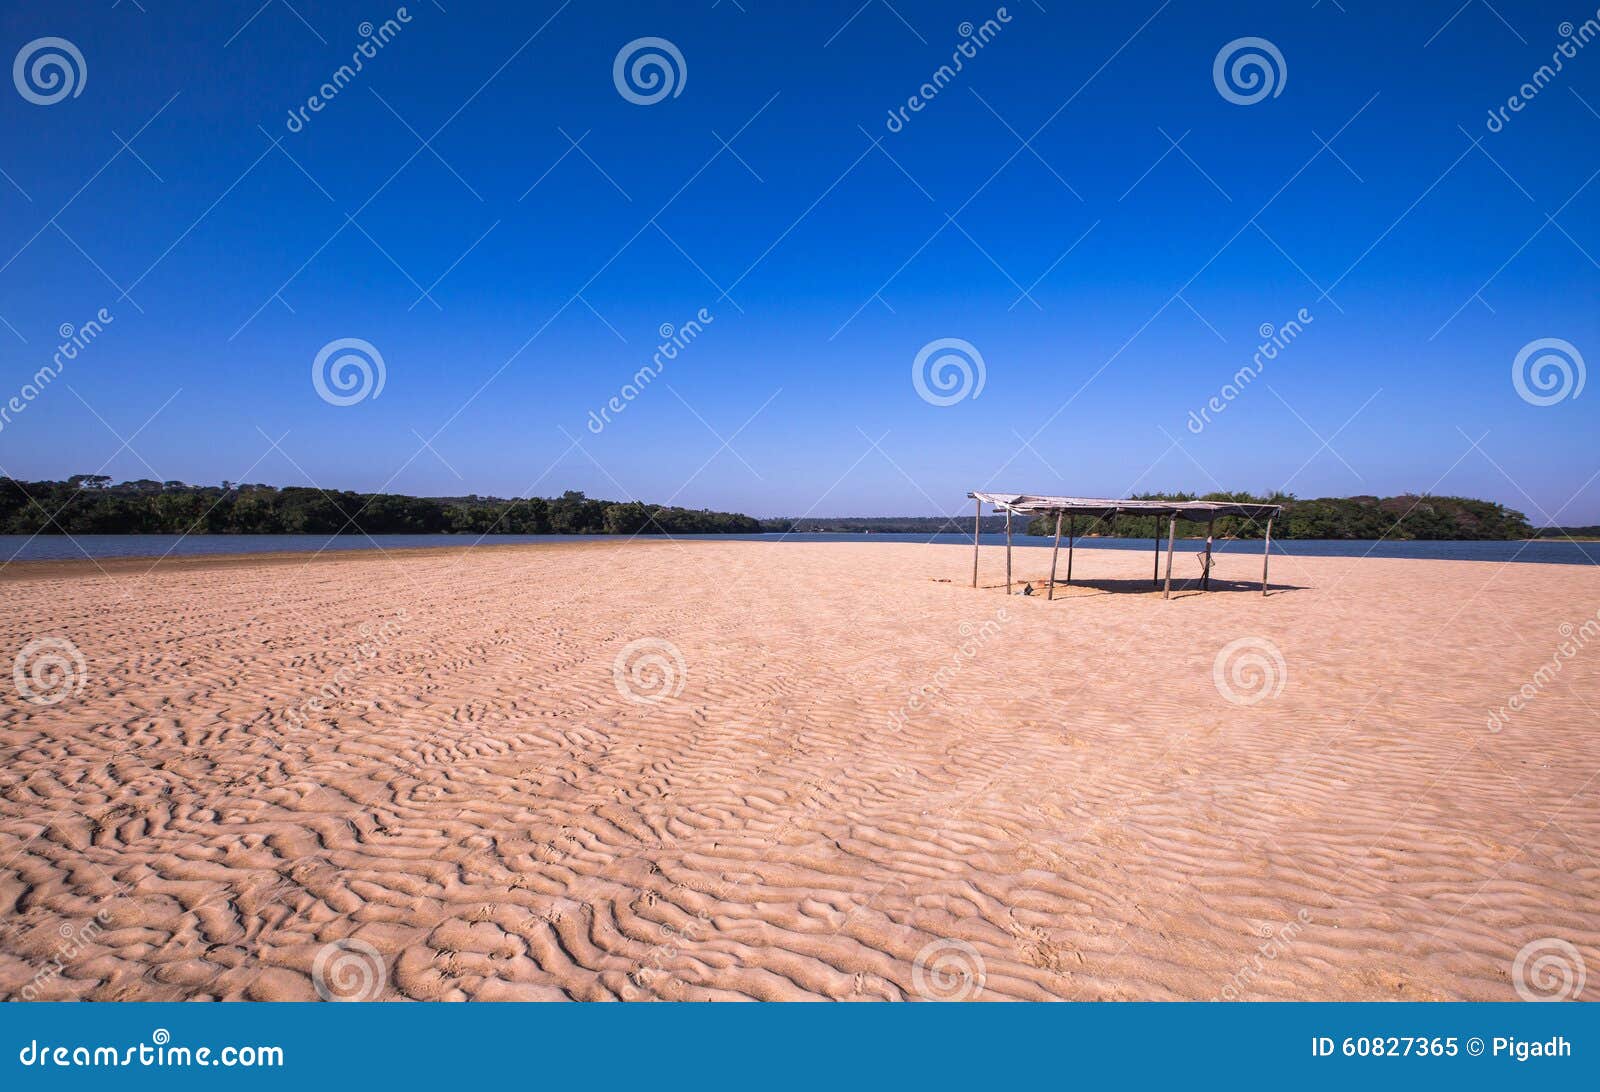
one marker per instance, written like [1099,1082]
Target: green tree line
[89,504]
[1403,517]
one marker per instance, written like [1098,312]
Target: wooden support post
[1172,537]
[1205,579]
[1071,535]
[1008,551]
[977,526]
[1155,577]
[1054,552]
[1266,556]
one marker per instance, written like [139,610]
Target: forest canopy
[88,504]
[1403,517]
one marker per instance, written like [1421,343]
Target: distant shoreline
[24,557]
[1555,536]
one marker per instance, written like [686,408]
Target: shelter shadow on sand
[1098,508]
[1082,588]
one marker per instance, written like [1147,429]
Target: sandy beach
[793,771]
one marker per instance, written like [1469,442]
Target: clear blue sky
[826,262]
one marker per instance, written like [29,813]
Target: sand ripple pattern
[428,757]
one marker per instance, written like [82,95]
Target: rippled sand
[750,770]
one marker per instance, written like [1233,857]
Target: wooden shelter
[1070,508]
